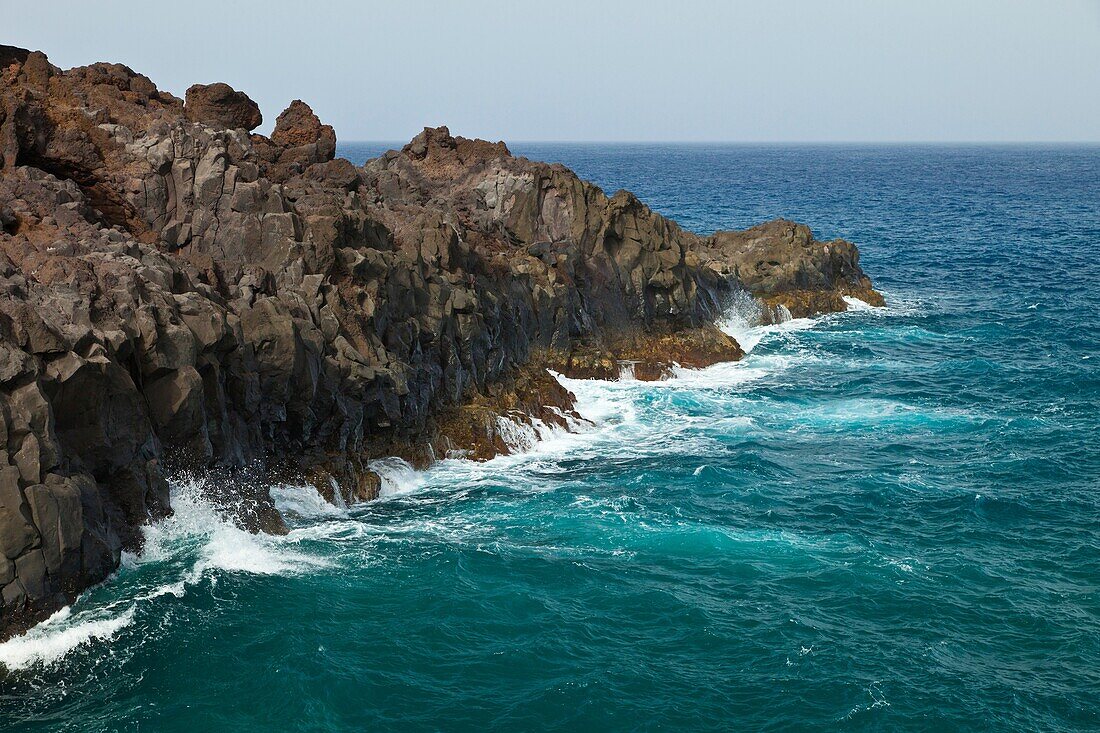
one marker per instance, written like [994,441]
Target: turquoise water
[879,520]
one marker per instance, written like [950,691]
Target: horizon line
[518,141]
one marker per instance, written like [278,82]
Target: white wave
[573,423]
[229,549]
[620,417]
[626,371]
[855,304]
[518,435]
[605,407]
[398,477]
[743,321]
[902,565]
[612,419]
[734,374]
[60,634]
[726,374]
[601,402]
[897,305]
[198,527]
[522,435]
[196,542]
[304,501]
[177,589]
[869,411]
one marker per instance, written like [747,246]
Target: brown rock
[12,55]
[221,106]
[298,125]
[783,264]
[303,140]
[649,357]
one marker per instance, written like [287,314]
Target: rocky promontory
[178,293]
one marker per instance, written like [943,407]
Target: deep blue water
[880,520]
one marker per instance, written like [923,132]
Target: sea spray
[199,534]
[303,501]
[855,304]
[626,370]
[61,634]
[198,542]
[397,476]
[747,321]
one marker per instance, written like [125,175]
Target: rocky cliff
[179,294]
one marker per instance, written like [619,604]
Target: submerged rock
[177,295]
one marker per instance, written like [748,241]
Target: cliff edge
[180,294]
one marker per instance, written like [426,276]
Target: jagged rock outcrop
[782,264]
[177,294]
[297,127]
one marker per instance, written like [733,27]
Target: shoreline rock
[179,295]
[781,263]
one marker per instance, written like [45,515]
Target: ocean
[886,519]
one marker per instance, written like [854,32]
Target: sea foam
[60,634]
[398,476]
[195,543]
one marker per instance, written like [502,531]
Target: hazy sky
[987,70]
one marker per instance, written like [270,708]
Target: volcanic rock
[781,263]
[298,126]
[221,106]
[180,299]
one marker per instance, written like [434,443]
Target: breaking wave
[61,634]
[198,543]
[200,536]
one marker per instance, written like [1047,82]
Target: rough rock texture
[298,127]
[221,106]
[782,264]
[179,295]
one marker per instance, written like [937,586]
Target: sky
[678,70]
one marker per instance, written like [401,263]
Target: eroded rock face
[177,295]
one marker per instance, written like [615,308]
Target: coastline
[231,548]
[186,297]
